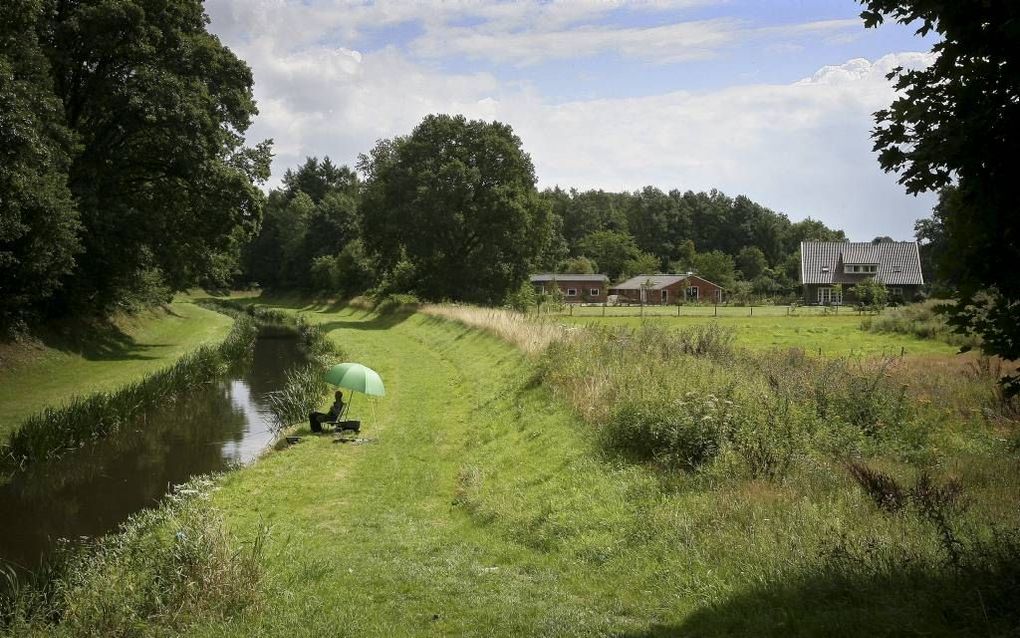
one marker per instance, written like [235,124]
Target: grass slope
[483,508]
[51,374]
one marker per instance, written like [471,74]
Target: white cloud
[802,148]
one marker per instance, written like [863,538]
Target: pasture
[812,329]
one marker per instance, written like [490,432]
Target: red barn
[576,288]
[667,289]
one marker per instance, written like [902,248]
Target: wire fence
[697,310]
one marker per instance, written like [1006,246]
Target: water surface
[92,490]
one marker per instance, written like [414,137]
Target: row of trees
[123,172]
[451,212]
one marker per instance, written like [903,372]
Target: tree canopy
[956,123]
[456,201]
[137,112]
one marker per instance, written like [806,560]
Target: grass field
[481,504]
[47,373]
[482,507]
[770,327]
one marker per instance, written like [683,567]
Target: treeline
[451,211]
[123,172]
[124,178]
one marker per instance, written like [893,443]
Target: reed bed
[530,334]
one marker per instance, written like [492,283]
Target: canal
[90,491]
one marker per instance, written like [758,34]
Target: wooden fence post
[752,311]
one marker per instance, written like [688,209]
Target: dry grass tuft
[530,334]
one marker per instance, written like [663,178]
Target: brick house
[575,288]
[667,289]
[826,264]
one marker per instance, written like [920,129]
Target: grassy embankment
[485,505]
[835,335]
[48,373]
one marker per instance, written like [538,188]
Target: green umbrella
[357,377]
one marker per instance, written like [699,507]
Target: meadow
[592,487]
[812,329]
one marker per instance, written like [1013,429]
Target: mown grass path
[380,539]
[49,376]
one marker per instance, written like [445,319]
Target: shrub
[921,320]
[681,434]
[767,434]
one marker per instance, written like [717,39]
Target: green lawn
[480,507]
[833,335]
[49,374]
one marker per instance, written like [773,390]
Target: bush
[921,320]
[681,434]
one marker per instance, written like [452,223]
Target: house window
[665,296]
[571,292]
[828,296]
[860,268]
[692,292]
[593,292]
[896,292]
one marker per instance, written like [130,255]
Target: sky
[772,99]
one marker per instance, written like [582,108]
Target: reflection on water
[91,491]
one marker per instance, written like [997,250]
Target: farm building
[575,288]
[666,289]
[829,270]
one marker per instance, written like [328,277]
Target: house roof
[549,276]
[654,282]
[821,262]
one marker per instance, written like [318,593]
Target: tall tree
[162,178]
[957,122]
[612,250]
[38,218]
[457,199]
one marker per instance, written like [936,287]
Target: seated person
[316,419]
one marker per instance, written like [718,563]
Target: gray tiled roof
[657,282]
[549,276]
[821,262]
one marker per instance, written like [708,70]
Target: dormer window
[860,269]
[825,269]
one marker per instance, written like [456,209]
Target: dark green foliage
[38,218]
[613,251]
[650,231]
[457,200]
[132,114]
[309,238]
[162,179]
[751,262]
[956,123]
